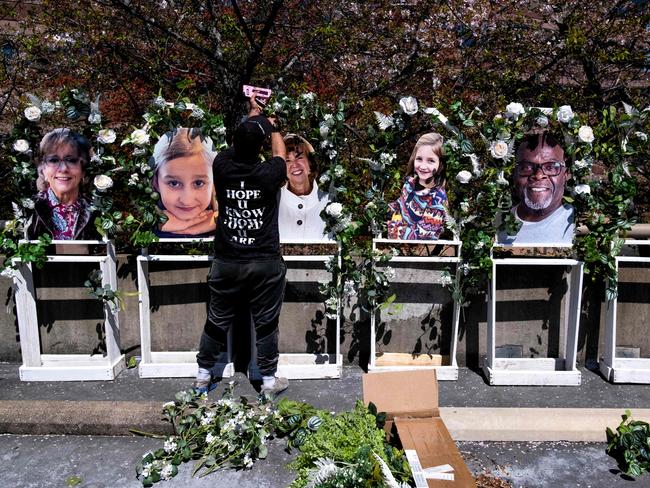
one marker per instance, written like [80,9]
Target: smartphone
[261,94]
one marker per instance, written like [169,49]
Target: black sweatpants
[260,285]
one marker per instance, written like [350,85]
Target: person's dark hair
[51,142]
[299,145]
[436,141]
[535,139]
[250,136]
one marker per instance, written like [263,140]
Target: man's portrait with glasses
[539,179]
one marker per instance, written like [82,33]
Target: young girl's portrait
[183,178]
[419,212]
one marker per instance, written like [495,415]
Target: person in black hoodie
[247,261]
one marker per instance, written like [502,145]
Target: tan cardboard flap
[403,393]
[434,446]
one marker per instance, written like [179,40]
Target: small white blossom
[21,146]
[169,405]
[209,439]
[134,179]
[331,153]
[146,470]
[324,130]
[95,118]
[499,149]
[582,189]
[167,472]
[33,113]
[389,273]
[349,288]
[334,209]
[47,107]
[542,121]
[106,136]
[170,445]
[160,102]
[642,136]
[139,151]
[514,110]
[102,182]
[384,121]
[387,158]
[308,97]
[501,181]
[339,171]
[324,179]
[139,137]
[27,203]
[207,418]
[564,114]
[328,119]
[445,280]
[409,105]
[586,134]
[582,164]
[197,113]
[463,176]
[248,462]
[220,131]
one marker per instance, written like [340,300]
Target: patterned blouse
[419,213]
[64,217]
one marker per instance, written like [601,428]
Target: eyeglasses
[550,168]
[54,161]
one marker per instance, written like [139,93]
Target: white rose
[27,203]
[542,121]
[409,105]
[33,113]
[582,189]
[564,114]
[586,134]
[106,136]
[499,149]
[21,146]
[95,118]
[334,210]
[102,182]
[324,130]
[463,176]
[514,110]
[139,137]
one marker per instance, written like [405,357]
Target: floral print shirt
[64,217]
[418,213]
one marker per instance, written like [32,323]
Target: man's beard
[543,205]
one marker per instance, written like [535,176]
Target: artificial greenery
[630,445]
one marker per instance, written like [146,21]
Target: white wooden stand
[67,367]
[536,371]
[306,365]
[622,370]
[165,364]
[443,372]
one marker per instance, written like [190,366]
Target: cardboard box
[410,400]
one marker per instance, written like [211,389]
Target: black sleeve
[278,170]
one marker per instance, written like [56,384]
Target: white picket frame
[161,364]
[67,367]
[536,371]
[622,370]
[443,372]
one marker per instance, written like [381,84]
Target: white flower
[167,472]
[248,462]
[308,97]
[384,121]
[331,153]
[170,445]
[409,105]
[102,182]
[169,405]
[463,176]
[33,113]
[47,107]
[339,171]
[21,146]
[445,280]
[542,121]
[324,179]
[514,110]
[564,114]
[27,203]
[95,118]
[139,137]
[641,136]
[277,106]
[207,418]
[329,120]
[501,181]
[106,136]
[334,209]
[324,130]
[499,149]
[389,273]
[476,166]
[146,470]
[586,134]
[582,164]
[387,158]
[464,206]
[197,113]
[434,111]
[209,439]
[582,189]
[134,179]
